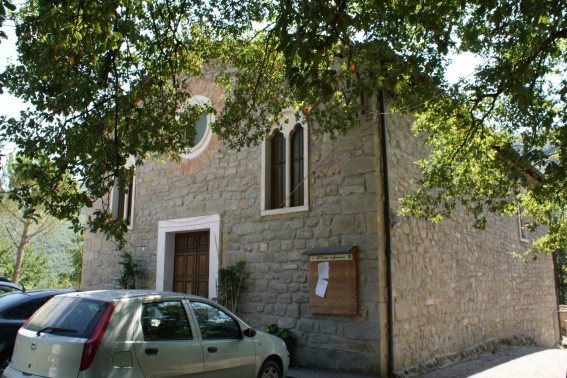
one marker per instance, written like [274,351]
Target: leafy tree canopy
[107,78]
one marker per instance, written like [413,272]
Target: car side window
[214,323]
[25,310]
[165,321]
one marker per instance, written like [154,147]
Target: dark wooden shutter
[130,189]
[121,203]
[277,191]
[297,171]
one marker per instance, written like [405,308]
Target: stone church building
[307,215]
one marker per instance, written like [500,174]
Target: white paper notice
[323,270]
[321,288]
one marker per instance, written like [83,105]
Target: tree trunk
[21,247]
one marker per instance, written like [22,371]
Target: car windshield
[75,317]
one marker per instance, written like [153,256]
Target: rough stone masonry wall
[455,286]
[342,211]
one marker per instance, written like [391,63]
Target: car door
[227,353]
[169,348]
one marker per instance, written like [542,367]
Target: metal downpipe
[388,240]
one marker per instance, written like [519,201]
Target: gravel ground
[523,361]
[512,362]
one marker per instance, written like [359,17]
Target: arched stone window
[285,181]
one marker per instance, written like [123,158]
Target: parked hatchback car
[15,308]
[141,333]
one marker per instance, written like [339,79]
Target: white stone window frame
[286,126]
[115,197]
[166,248]
[202,145]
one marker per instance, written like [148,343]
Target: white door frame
[166,248]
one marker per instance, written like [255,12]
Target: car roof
[10,284]
[38,292]
[118,295]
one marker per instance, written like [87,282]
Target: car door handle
[151,351]
[212,349]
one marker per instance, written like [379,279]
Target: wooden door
[191,269]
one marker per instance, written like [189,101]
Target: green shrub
[229,284]
[286,335]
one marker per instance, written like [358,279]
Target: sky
[9,105]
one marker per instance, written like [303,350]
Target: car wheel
[270,369]
[5,361]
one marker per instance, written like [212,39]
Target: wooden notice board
[333,280]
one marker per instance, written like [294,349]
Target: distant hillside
[54,247]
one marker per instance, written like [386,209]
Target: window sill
[287,210]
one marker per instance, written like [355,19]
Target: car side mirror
[249,332]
